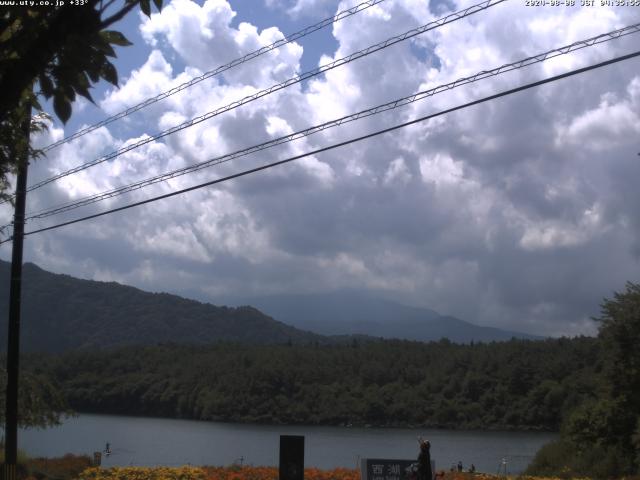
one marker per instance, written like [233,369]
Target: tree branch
[104,7]
[117,16]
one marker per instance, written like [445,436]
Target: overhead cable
[234,63]
[337,122]
[341,144]
[274,88]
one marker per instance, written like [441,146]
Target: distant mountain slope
[356,313]
[60,312]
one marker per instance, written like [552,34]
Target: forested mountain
[353,312]
[517,384]
[60,312]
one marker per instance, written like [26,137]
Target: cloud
[612,123]
[520,213]
[307,9]
[154,77]
[197,34]
[204,39]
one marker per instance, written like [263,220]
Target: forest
[585,388]
[520,384]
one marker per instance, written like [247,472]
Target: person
[459,465]
[472,468]
[107,448]
[424,461]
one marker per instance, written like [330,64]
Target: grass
[68,467]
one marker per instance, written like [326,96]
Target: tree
[42,402]
[63,51]
[601,437]
[620,336]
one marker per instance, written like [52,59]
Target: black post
[291,457]
[13,337]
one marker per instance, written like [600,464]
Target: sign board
[390,469]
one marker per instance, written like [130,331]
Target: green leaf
[116,38]
[102,45]
[109,73]
[93,70]
[145,5]
[68,88]
[62,107]
[35,104]
[46,85]
[158,4]
[82,86]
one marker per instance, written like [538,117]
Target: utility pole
[13,336]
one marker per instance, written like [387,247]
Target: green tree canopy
[55,53]
[620,335]
[41,402]
[601,437]
[60,51]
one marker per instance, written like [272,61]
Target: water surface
[157,441]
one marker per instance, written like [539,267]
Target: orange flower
[253,473]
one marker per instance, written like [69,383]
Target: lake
[156,441]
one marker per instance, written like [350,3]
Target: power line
[341,144]
[337,122]
[274,88]
[234,63]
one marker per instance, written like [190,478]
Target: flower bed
[252,473]
[210,473]
[144,473]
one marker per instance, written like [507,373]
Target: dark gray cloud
[520,213]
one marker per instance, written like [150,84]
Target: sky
[520,213]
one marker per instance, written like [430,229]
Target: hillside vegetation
[60,312]
[63,313]
[518,385]
[601,437]
[236,364]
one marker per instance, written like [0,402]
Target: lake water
[154,441]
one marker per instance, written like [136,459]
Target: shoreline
[391,426]
[152,441]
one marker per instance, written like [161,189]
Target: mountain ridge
[61,312]
[349,313]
